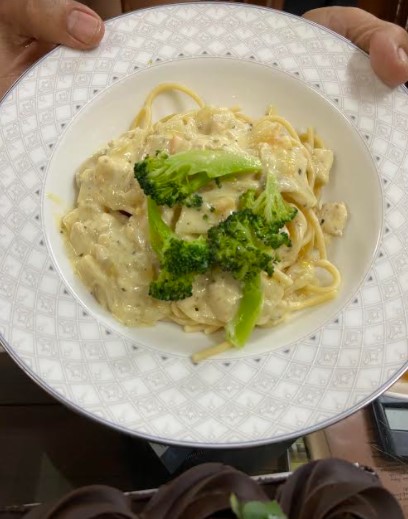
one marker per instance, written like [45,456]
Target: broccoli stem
[213,163]
[158,229]
[239,329]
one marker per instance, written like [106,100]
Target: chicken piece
[290,168]
[223,296]
[333,217]
[273,294]
[323,161]
[191,222]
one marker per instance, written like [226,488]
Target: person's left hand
[31,28]
[386,43]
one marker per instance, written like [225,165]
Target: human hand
[386,43]
[31,28]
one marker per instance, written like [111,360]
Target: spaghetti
[107,231]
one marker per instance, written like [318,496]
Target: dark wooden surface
[46,449]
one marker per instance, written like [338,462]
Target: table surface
[46,449]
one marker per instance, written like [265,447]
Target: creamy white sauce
[107,231]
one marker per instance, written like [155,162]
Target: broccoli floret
[247,199]
[170,179]
[235,246]
[182,257]
[269,204]
[268,233]
[195,201]
[170,287]
[242,245]
[180,260]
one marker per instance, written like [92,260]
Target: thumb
[54,21]
[388,54]
[386,42]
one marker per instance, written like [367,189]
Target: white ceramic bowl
[225,82]
[319,367]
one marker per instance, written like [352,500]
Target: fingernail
[83,26]
[403,56]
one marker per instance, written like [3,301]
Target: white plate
[327,362]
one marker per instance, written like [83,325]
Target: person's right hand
[387,43]
[31,28]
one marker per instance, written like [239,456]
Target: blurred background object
[392,10]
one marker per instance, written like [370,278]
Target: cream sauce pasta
[107,230]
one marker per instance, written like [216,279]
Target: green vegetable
[267,232]
[170,287]
[194,200]
[270,205]
[180,260]
[171,179]
[243,245]
[239,329]
[256,509]
[236,248]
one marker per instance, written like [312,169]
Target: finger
[54,21]
[388,55]
[386,43]
[354,24]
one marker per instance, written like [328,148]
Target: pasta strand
[112,205]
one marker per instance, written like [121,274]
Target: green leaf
[256,509]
